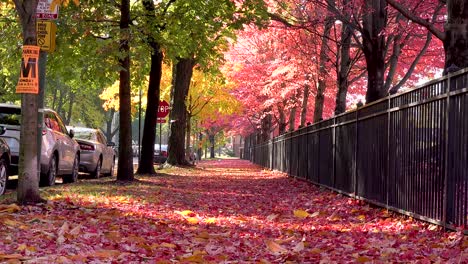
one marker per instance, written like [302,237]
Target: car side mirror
[110,144]
[71,133]
[2,130]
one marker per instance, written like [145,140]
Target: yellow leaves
[301,214]
[362,217]
[315,251]
[10,208]
[363,259]
[186,213]
[10,257]
[105,254]
[275,247]
[24,247]
[210,220]
[168,245]
[10,222]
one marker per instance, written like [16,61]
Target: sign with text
[163,109]
[46,35]
[160,120]
[29,74]
[47,10]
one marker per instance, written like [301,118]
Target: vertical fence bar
[356,154]
[388,150]
[446,154]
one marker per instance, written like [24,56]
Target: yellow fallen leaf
[362,217]
[210,220]
[301,213]
[316,251]
[186,212]
[10,256]
[11,222]
[335,218]
[10,208]
[168,245]
[193,259]
[363,259]
[192,220]
[105,253]
[275,247]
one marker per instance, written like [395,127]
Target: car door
[62,142]
[106,153]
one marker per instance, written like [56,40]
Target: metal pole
[160,136]
[40,106]
[139,127]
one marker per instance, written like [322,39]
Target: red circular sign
[163,109]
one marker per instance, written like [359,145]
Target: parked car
[60,154]
[97,155]
[160,156]
[4,163]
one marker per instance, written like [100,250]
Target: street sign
[46,35]
[45,10]
[29,74]
[163,109]
[161,121]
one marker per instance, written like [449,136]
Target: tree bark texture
[125,165]
[305,103]
[281,122]
[265,128]
[178,115]
[320,98]
[211,137]
[373,41]
[345,64]
[149,130]
[456,36]
[292,118]
[28,175]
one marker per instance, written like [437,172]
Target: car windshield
[10,116]
[88,135]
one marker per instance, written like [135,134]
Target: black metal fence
[407,152]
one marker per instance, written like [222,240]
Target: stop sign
[163,109]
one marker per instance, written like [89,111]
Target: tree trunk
[456,36]
[183,75]
[110,120]
[292,119]
[70,108]
[343,74]
[28,175]
[200,150]
[281,122]
[212,145]
[320,98]
[149,131]
[266,128]
[373,39]
[125,164]
[305,102]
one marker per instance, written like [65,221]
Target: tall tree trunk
[266,128]
[125,165]
[320,98]
[343,74]
[109,121]
[211,137]
[200,150]
[71,101]
[28,175]
[149,131]
[456,36]
[292,118]
[183,75]
[281,122]
[373,40]
[305,102]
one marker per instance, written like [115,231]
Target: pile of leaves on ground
[224,211]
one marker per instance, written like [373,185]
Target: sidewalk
[226,211]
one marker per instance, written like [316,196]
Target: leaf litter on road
[223,211]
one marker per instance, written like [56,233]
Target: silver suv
[60,154]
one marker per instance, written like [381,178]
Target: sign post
[163,111]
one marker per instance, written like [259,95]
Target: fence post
[334,152]
[356,153]
[389,129]
[446,150]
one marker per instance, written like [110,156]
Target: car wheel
[97,172]
[3,176]
[49,177]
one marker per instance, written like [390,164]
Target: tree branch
[423,22]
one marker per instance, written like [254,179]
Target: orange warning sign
[29,74]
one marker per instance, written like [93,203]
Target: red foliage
[221,211]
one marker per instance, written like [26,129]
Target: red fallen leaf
[450,253]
